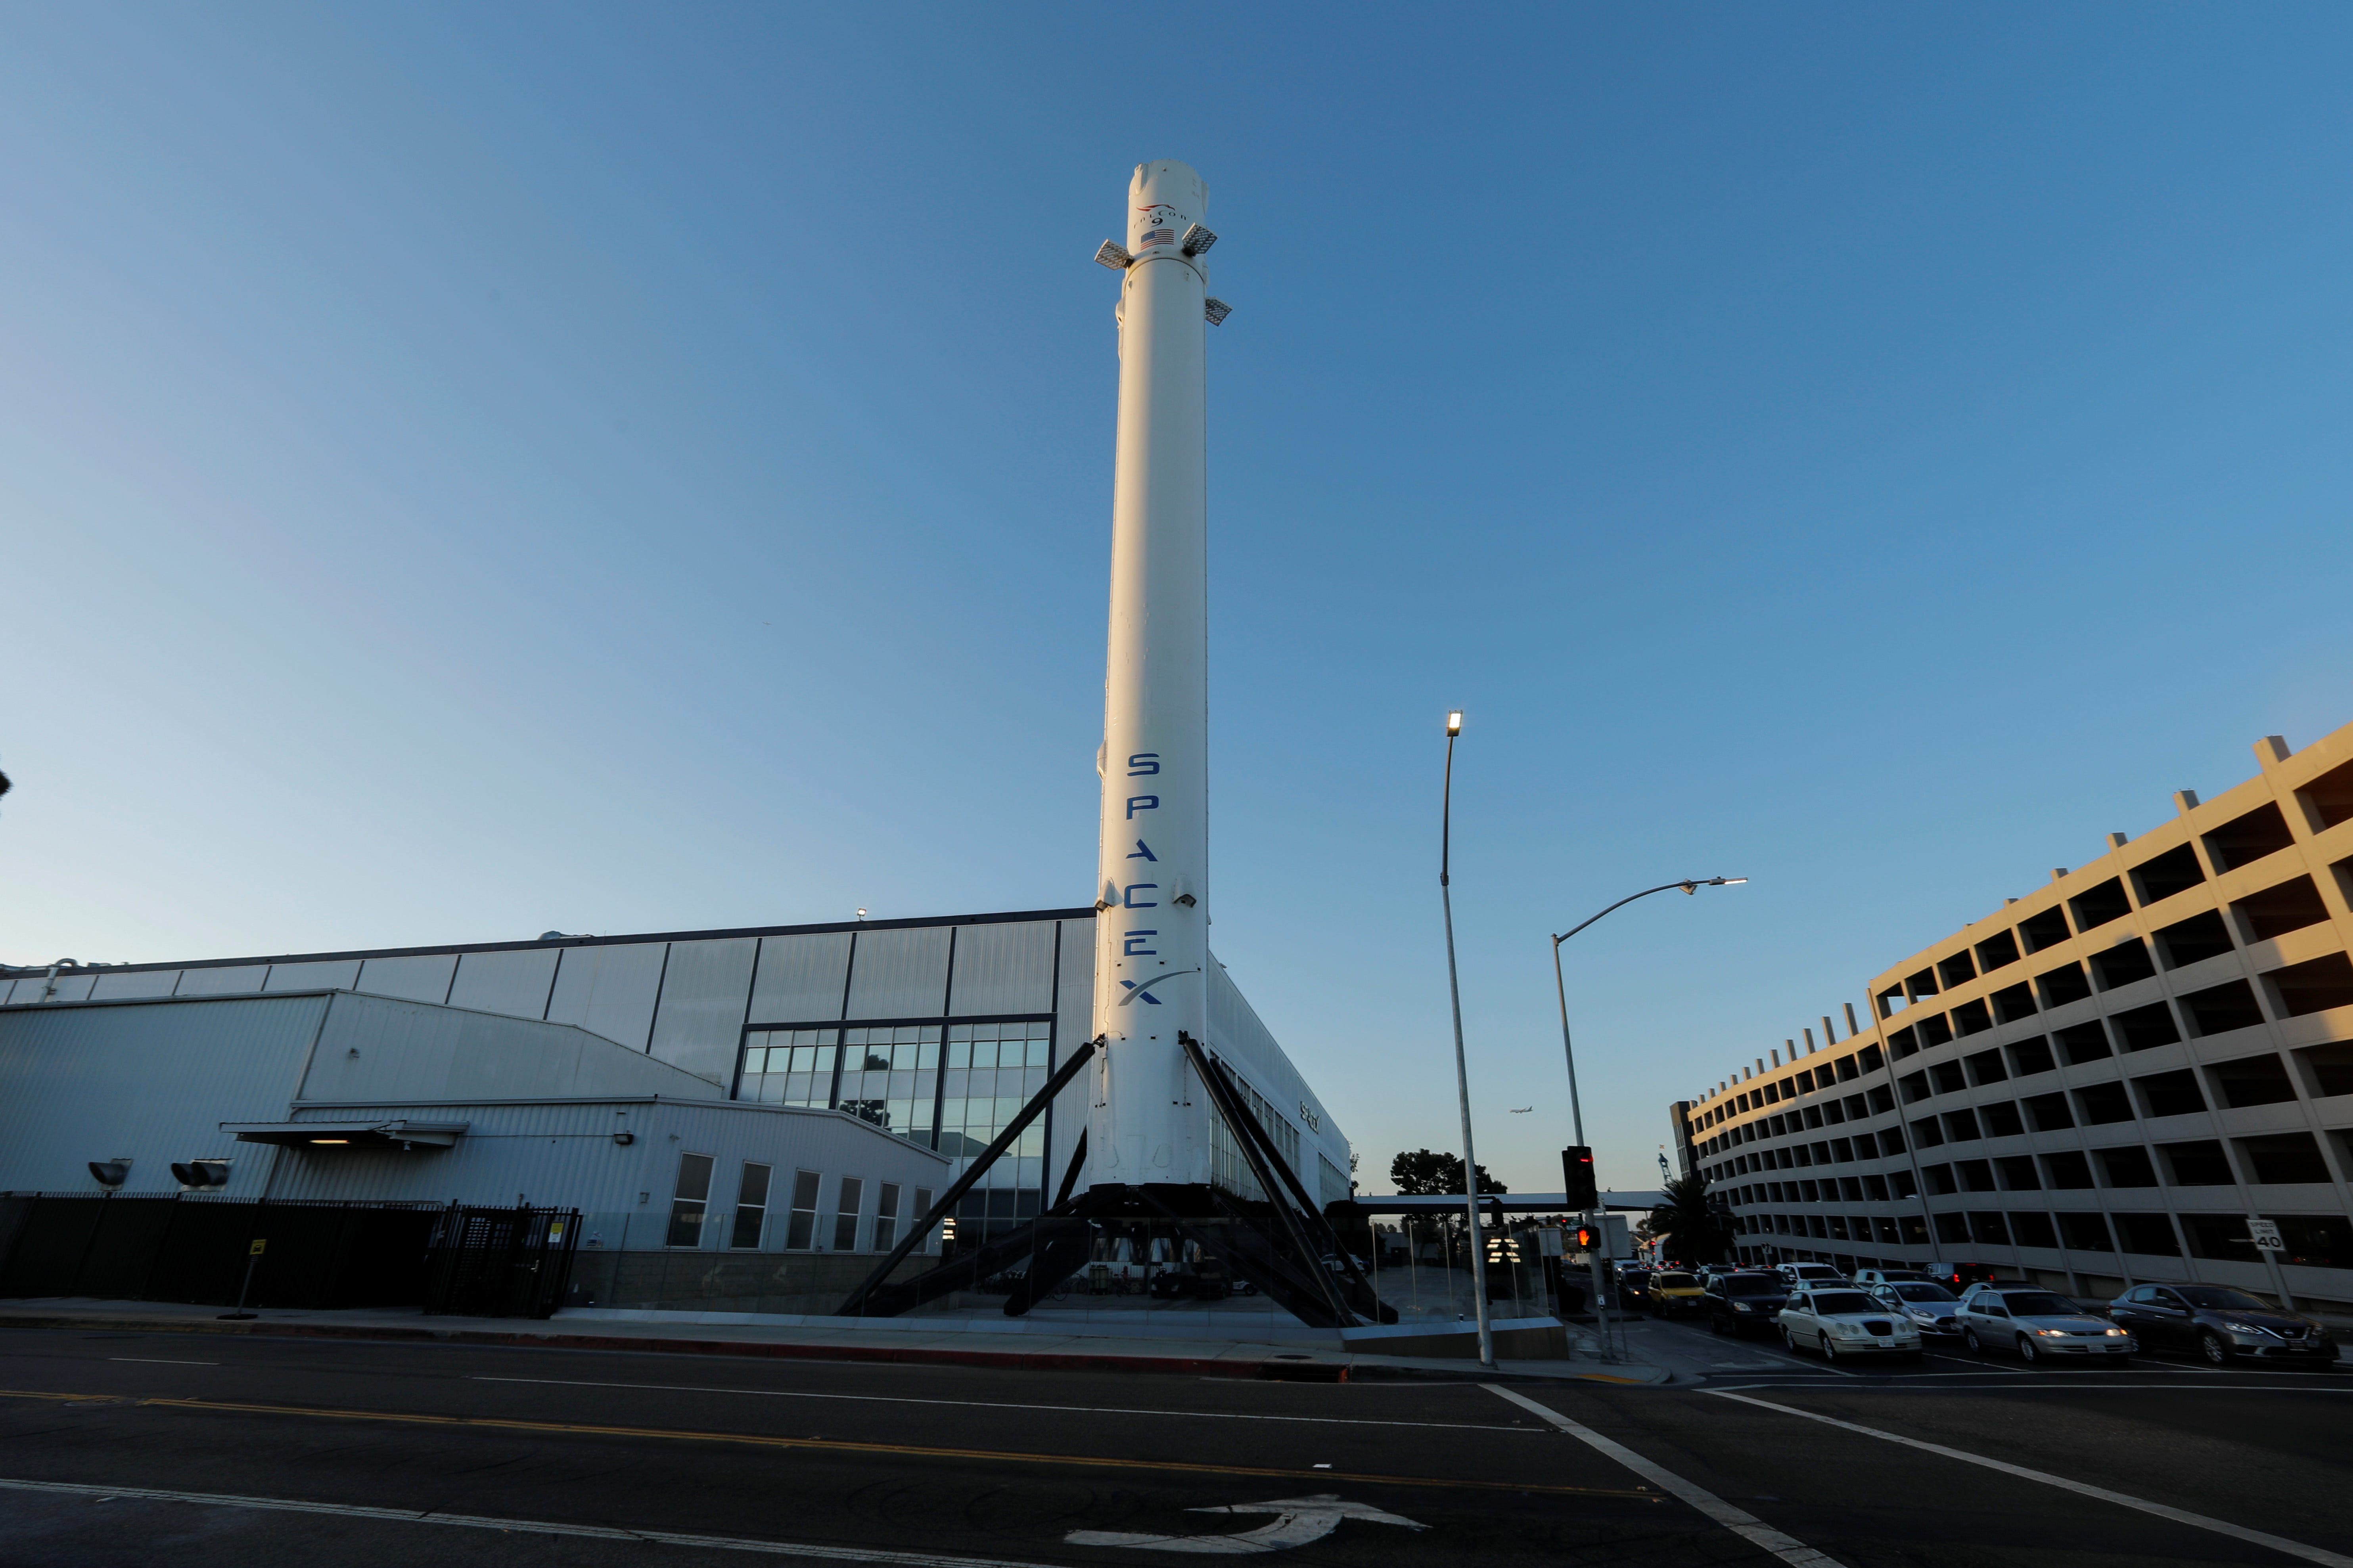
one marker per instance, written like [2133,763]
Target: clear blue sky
[468,470]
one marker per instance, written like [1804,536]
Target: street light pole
[1462,1072]
[1576,1107]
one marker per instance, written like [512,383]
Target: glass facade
[948,1086]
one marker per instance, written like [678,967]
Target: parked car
[1868,1278]
[1671,1292]
[1795,1275]
[2221,1323]
[2038,1325]
[1958,1277]
[1842,1321]
[1927,1305]
[1745,1302]
[1632,1293]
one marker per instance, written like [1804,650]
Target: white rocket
[1146,1124]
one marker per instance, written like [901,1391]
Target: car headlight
[2052,1333]
[2116,1334]
[1851,1331]
[2234,1326]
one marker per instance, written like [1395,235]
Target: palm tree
[1693,1232]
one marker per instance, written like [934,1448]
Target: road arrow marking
[1298,1520]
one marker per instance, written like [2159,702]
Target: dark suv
[1743,1303]
[2221,1323]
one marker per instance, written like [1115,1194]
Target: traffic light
[1576,1169]
[1588,1239]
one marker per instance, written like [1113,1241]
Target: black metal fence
[193,1248]
[502,1263]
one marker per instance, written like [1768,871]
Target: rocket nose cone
[1164,199]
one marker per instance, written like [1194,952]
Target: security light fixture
[1197,240]
[110,1173]
[201,1172]
[1216,310]
[625,1138]
[1115,256]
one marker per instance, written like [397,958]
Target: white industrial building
[743,1119]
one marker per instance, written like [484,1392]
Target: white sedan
[1840,1321]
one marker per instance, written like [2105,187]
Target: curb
[1266,1370]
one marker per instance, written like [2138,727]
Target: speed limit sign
[2265,1235]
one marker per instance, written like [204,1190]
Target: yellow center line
[837,1446]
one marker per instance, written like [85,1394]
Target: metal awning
[373,1133]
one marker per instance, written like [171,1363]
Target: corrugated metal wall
[900,973]
[703,994]
[517,982]
[414,977]
[150,1082]
[609,990]
[1004,969]
[802,979]
[374,1046]
[565,1154]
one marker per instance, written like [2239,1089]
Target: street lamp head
[1727,882]
[1454,723]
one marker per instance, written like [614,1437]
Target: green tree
[1424,1174]
[1693,1232]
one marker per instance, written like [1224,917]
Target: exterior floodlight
[1454,722]
[110,1173]
[1197,240]
[330,1140]
[1216,310]
[201,1172]
[1115,256]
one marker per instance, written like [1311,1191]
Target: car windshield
[2040,1304]
[1844,1302]
[1672,1281]
[1921,1291]
[2227,1299]
[1752,1285]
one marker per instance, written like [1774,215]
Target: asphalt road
[191,1451]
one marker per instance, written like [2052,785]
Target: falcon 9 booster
[1151,954]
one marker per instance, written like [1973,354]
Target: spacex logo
[1143,993]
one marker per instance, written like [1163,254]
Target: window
[886,1217]
[2083,1043]
[2220,1235]
[800,1233]
[1904,1184]
[923,1206]
[2290,1157]
[2331,1066]
[2152,1234]
[2142,1028]
[2086,1232]
[2122,964]
[2033,1229]
[1977,1176]
[1986,1066]
[1952,1227]
[1957,969]
[2097,906]
[2314,985]
[2220,1008]
[889,1076]
[1870,1059]
[2047,928]
[2064,984]
[751,1205]
[1996,950]
[1971,1018]
[789,1067]
[2251,1080]
[1915,1087]
[2200,937]
[1950,1079]
[846,1214]
[1941,1180]
[2317,1241]
[2263,831]
[2162,876]
[693,1194]
[2198,1164]
[2001,1119]
[1925,1133]
[994,1069]
[2170,1093]
[2098,1103]
[2068,1169]
[2031,1056]
[2048,1113]
[2013,1003]
[1989,1230]
[1960,1126]
[2128,1166]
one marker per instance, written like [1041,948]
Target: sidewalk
[904,1341]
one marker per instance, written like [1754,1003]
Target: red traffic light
[1585,1239]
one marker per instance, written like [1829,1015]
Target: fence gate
[502,1263]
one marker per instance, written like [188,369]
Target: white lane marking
[1300,1519]
[2163,1511]
[1747,1526]
[159,1361]
[473,1521]
[2046,1385]
[999,1404]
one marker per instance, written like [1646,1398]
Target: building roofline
[1008,917]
